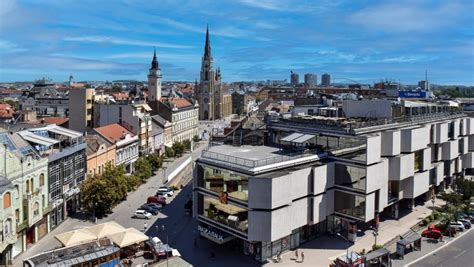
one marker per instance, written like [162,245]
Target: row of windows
[127,153]
[185,115]
[180,126]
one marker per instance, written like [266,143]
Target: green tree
[116,179]
[14,104]
[465,188]
[155,161]
[196,138]
[187,144]
[178,147]
[169,152]
[97,195]
[143,169]
[452,198]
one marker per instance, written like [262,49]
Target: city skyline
[251,40]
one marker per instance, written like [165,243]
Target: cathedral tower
[205,93]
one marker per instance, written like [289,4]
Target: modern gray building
[310,80]
[294,79]
[324,176]
[325,79]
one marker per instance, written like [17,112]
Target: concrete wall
[323,206]
[470,126]
[401,167]
[470,143]
[299,181]
[414,139]
[450,150]
[373,149]
[390,142]
[373,108]
[426,165]
[441,133]
[369,207]
[377,176]
[439,169]
[421,183]
[323,178]
[468,160]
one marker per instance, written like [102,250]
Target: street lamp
[348,242]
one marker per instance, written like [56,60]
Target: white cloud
[121,41]
[173,57]
[227,31]
[9,47]
[6,6]
[406,16]
[265,4]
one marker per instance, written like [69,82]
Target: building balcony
[22,226]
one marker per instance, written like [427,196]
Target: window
[31,185]
[418,160]
[7,227]
[36,209]
[17,190]
[350,176]
[7,201]
[41,178]
[349,204]
[17,215]
[27,186]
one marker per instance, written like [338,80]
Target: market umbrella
[75,237]
[106,229]
[128,237]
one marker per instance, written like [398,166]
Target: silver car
[142,214]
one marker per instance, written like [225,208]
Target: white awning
[38,139]
[291,137]
[303,138]
[64,131]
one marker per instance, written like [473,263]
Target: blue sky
[251,39]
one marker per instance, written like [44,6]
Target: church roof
[207,47]
[154,62]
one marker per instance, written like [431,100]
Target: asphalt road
[457,253]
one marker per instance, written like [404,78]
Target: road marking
[459,254]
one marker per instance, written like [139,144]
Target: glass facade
[226,182]
[350,176]
[221,211]
[349,204]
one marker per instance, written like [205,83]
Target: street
[179,228]
[457,253]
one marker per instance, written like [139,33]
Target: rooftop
[113,132]
[255,159]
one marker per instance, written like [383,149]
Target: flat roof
[246,152]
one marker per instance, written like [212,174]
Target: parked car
[142,214]
[150,209]
[166,190]
[466,223]
[154,205]
[156,199]
[459,226]
[432,232]
[161,194]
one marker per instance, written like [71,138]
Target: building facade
[80,106]
[126,144]
[310,80]
[46,100]
[213,102]
[320,178]
[294,79]
[325,80]
[24,196]
[100,153]
[65,150]
[183,116]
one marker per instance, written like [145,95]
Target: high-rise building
[213,103]
[325,79]
[154,80]
[80,108]
[425,85]
[310,80]
[294,79]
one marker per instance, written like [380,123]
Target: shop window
[41,178]
[7,201]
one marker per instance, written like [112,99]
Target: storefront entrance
[30,236]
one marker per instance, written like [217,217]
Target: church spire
[154,62]
[207,47]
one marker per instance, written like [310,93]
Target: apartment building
[81,107]
[46,100]
[183,116]
[23,196]
[100,153]
[65,151]
[328,175]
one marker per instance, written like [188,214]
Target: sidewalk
[121,213]
[322,251]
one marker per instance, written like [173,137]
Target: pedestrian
[144,227]
[302,256]
[162,227]
[296,254]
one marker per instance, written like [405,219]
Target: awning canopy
[75,237]
[106,229]
[303,138]
[38,139]
[291,137]
[376,254]
[409,239]
[129,237]
[65,132]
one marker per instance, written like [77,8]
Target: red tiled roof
[112,132]
[56,120]
[186,90]
[6,111]
[179,102]
[120,96]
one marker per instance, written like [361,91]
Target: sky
[362,41]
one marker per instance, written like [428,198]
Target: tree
[169,152]
[155,161]
[465,188]
[14,104]
[196,138]
[97,196]
[178,147]
[187,144]
[143,169]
